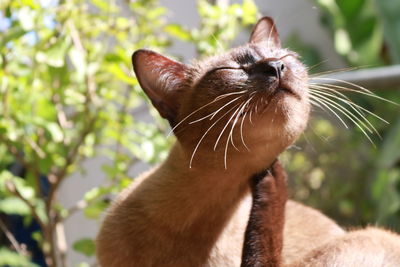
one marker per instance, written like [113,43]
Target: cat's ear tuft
[161,79]
[265,31]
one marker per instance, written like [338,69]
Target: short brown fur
[264,233]
[192,209]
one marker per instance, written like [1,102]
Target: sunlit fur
[237,116]
[192,209]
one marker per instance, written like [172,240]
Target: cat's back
[119,242]
[371,247]
[305,229]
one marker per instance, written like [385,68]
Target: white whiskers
[329,97]
[204,135]
[204,106]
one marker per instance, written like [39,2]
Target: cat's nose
[271,68]
[276,68]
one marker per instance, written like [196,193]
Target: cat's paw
[271,189]
[264,233]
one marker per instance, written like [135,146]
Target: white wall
[291,16]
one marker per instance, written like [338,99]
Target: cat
[371,247]
[232,115]
[264,237]
[263,241]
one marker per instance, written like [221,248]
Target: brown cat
[371,247]
[232,114]
[263,241]
[264,234]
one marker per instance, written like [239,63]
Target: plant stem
[12,239]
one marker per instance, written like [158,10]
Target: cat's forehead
[251,53]
[242,55]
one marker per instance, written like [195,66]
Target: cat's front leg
[264,233]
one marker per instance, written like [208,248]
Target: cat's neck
[206,192]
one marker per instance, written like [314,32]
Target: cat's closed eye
[241,68]
[228,72]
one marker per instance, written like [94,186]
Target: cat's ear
[265,31]
[161,79]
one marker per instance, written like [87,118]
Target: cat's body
[232,116]
[331,246]
[154,242]
[310,239]
[176,216]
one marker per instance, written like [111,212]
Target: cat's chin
[286,92]
[284,118]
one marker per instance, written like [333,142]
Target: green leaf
[357,33]
[101,4]
[11,258]
[249,12]
[113,58]
[37,236]
[178,31]
[13,205]
[389,11]
[12,34]
[78,59]
[55,131]
[95,193]
[10,182]
[26,17]
[31,3]
[120,74]
[342,41]
[55,55]
[85,246]
[390,152]
[20,184]
[94,210]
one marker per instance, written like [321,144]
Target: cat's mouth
[281,86]
[285,90]
[263,102]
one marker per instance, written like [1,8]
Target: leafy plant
[67,92]
[340,172]
[219,25]
[66,95]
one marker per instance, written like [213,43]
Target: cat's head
[251,99]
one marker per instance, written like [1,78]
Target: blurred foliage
[219,25]
[68,94]
[339,171]
[11,258]
[356,30]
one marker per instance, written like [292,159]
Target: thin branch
[13,190]
[220,2]
[12,239]
[57,177]
[4,88]
[80,205]
[35,147]
[61,243]
[14,151]
[62,118]
[121,126]
[34,168]
[76,39]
